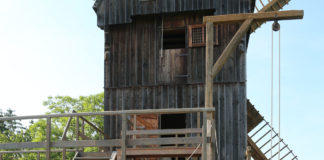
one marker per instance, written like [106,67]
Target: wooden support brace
[231,47]
[248,19]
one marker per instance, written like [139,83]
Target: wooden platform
[160,152]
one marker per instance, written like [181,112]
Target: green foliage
[36,132]
[12,131]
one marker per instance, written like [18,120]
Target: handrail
[109,113]
[35,151]
[122,143]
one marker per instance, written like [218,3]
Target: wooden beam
[48,139]
[160,152]
[272,5]
[209,87]
[231,46]
[95,127]
[248,153]
[109,113]
[123,135]
[164,131]
[165,141]
[204,136]
[256,153]
[262,16]
[66,129]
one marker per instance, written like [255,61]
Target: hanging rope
[275,28]
[279,94]
[271,121]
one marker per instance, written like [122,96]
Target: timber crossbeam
[248,20]
[262,16]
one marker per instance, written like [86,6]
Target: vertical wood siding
[121,11]
[132,81]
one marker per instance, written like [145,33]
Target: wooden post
[123,135]
[77,129]
[82,130]
[0,156]
[248,152]
[48,139]
[64,136]
[134,127]
[64,154]
[38,156]
[204,136]
[209,85]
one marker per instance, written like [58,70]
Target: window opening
[174,38]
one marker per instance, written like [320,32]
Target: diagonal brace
[248,19]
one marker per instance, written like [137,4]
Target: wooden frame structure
[121,143]
[213,69]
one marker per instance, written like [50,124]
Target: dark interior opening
[174,38]
[173,121]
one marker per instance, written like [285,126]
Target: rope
[279,98]
[194,151]
[276,27]
[271,122]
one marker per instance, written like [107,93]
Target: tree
[12,131]
[66,104]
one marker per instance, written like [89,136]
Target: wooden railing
[119,143]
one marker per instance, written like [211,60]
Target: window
[197,35]
[174,38]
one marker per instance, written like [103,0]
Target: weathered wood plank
[165,141]
[123,135]
[263,16]
[164,131]
[48,138]
[209,86]
[161,152]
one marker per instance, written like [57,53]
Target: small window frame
[203,27]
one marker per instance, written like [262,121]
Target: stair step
[93,155]
[92,158]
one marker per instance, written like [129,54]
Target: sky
[54,47]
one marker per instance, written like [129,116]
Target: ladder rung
[263,136]
[286,154]
[273,147]
[268,141]
[261,3]
[259,129]
[277,153]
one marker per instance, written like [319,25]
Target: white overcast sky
[53,47]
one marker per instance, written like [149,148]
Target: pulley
[275,26]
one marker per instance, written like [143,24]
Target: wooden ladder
[259,138]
